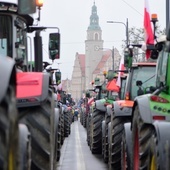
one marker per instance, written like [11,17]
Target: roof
[101,64]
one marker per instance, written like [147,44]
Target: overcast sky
[72,17]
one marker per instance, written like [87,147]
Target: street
[76,154]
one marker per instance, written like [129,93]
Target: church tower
[93,46]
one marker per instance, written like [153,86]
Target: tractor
[140,77]
[150,138]
[32,133]
[114,93]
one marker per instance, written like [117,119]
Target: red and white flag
[121,67]
[149,37]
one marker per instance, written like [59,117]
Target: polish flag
[121,67]
[149,37]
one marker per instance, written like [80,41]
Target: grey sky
[72,17]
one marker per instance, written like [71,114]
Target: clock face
[96,47]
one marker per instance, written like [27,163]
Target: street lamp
[126,28]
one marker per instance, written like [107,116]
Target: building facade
[95,61]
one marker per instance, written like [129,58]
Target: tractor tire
[96,132]
[62,126]
[88,128]
[40,121]
[66,124]
[9,131]
[81,115]
[84,119]
[141,137]
[115,142]
[126,147]
[57,131]
[105,143]
[24,148]
[103,137]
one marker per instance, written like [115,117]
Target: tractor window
[146,74]
[5,35]
[122,89]
[21,39]
[162,68]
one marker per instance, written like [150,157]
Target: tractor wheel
[84,119]
[66,124]
[126,148]
[115,142]
[81,115]
[9,134]
[141,137]
[40,121]
[96,132]
[88,128]
[57,131]
[105,143]
[62,126]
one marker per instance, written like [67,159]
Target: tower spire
[94,19]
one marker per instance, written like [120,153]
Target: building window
[96,36]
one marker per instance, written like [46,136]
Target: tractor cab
[16,22]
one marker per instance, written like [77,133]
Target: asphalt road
[76,154]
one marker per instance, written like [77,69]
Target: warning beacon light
[39,3]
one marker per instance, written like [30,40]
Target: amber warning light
[154,17]
[39,3]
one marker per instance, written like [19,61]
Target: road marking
[79,153]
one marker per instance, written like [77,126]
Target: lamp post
[126,28]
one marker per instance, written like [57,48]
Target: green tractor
[95,118]
[140,77]
[150,117]
[28,122]
[114,93]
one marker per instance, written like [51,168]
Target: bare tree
[136,36]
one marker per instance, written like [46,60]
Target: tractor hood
[32,88]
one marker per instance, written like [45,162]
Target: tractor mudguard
[103,127]
[24,146]
[23,132]
[127,140]
[144,108]
[109,110]
[146,113]
[100,106]
[163,146]
[128,132]
[57,114]
[32,88]
[123,108]
[7,75]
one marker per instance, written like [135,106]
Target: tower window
[96,36]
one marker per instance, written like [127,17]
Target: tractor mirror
[54,46]
[58,77]
[154,54]
[26,7]
[138,83]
